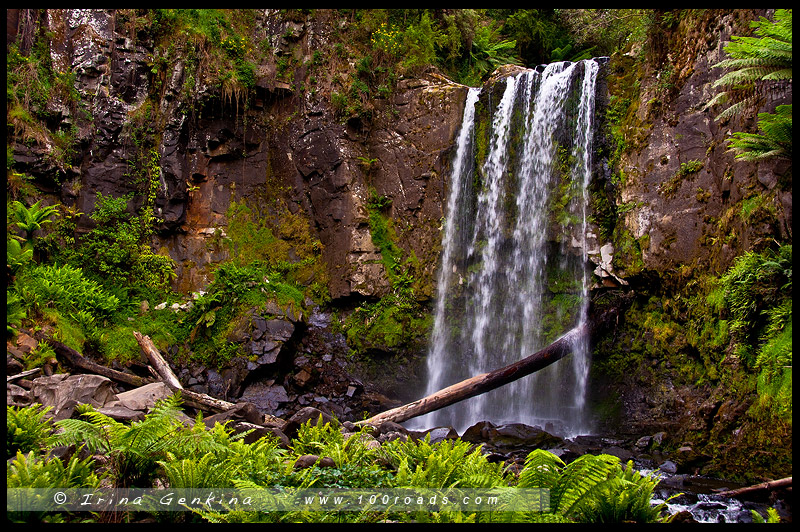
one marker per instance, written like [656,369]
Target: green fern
[315,438]
[774,141]
[30,219]
[589,489]
[205,472]
[28,471]
[135,449]
[27,428]
[626,498]
[767,57]
[447,464]
[772,516]
[580,481]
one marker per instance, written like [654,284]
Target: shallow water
[697,495]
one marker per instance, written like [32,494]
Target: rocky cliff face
[686,208]
[679,185]
[212,150]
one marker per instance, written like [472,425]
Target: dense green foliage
[90,288]
[730,333]
[757,293]
[161,449]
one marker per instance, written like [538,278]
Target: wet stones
[510,436]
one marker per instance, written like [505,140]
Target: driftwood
[485,382]
[193,399]
[24,374]
[77,360]
[764,486]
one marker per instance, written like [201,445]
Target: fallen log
[482,383]
[601,320]
[158,362]
[77,360]
[764,486]
[197,400]
[202,401]
[24,374]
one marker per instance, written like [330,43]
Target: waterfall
[513,274]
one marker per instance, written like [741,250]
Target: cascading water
[513,274]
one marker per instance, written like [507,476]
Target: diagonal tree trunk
[196,400]
[482,383]
[485,382]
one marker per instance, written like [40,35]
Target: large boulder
[63,392]
[144,397]
[510,436]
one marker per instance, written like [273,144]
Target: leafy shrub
[120,250]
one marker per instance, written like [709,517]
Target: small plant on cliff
[669,187]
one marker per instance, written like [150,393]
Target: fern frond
[542,470]
[766,57]
[96,434]
[580,480]
[203,473]
[27,471]
[775,140]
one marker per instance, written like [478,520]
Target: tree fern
[756,61]
[133,449]
[97,432]
[774,141]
